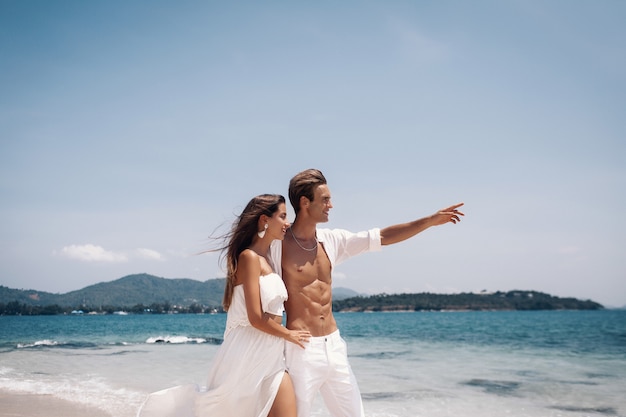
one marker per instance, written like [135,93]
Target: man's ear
[304,202]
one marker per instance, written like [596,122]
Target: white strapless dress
[245,373]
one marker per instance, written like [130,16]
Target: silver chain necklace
[298,243]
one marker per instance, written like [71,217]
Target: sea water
[513,363]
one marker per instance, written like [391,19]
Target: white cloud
[339,276]
[149,254]
[92,253]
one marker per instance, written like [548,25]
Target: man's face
[320,206]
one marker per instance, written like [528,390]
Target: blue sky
[131,130]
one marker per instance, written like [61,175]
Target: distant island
[148,294]
[510,300]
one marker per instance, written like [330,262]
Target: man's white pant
[323,366]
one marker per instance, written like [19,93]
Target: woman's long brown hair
[241,235]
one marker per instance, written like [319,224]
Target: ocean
[435,364]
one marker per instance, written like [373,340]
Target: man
[305,259]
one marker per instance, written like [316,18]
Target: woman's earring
[262,232]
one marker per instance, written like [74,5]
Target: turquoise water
[532,363]
[105,330]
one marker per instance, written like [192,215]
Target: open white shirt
[339,245]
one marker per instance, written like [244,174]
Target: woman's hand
[299,337]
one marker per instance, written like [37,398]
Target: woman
[248,376]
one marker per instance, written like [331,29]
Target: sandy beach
[28,405]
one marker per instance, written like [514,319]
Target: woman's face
[278,223]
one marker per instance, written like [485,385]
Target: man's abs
[317,319]
[309,306]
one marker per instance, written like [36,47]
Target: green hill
[28,297]
[147,289]
[129,291]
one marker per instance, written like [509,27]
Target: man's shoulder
[326,233]
[338,232]
[343,235]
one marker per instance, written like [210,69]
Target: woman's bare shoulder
[248,255]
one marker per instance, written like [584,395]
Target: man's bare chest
[306,267]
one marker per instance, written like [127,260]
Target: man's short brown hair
[303,184]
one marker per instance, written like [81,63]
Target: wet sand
[28,405]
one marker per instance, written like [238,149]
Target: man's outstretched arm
[399,232]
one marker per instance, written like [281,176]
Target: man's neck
[304,229]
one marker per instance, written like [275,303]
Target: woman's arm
[248,273]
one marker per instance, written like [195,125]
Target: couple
[255,373]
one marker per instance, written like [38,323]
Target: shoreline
[35,405]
